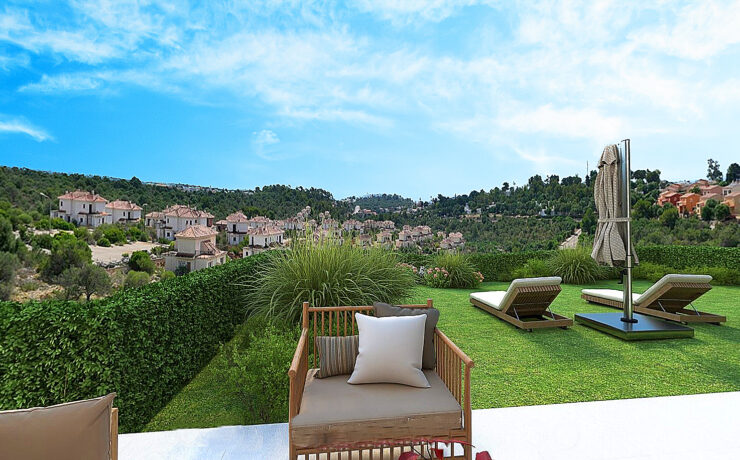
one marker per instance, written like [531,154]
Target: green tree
[733,172]
[8,266]
[141,262]
[8,241]
[94,280]
[66,251]
[707,212]
[588,222]
[642,209]
[721,212]
[669,216]
[136,279]
[69,279]
[713,172]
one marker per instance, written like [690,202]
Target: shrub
[688,256]
[166,275]
[181,270]
[653,272]
[104,242]
[113,233]
[499,266]
[324,273]
[258,371]
[144,344]
[61,224]
[437,277]
[136,279]
[83,234]
[575,266]
[533,269]
[462,273]
[140,261]
[43,240]
[66,251]
[8,265]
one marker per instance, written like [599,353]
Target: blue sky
[412,97]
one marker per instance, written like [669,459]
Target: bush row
[691,256]
[143,343]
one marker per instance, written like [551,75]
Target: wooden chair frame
[669,302]
[528,308]
[453,367]
[114,434]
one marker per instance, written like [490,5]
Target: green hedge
[495,266]
[690,256]
[144,343]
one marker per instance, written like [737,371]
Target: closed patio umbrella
[612,238]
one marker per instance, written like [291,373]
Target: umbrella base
[646,327]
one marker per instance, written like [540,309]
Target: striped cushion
[337,355]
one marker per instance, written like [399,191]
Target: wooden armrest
[455,349]
[299,353]
[114,434]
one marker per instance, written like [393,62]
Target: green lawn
[515,367]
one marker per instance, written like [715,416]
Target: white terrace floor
[672,428]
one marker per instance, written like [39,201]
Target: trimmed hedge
[145,343]
[495,266]
[690,256]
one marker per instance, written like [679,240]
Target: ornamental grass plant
[324,272]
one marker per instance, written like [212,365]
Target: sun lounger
[667,299]
[525,304]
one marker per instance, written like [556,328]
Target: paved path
[114,253]
[668,428]
[572,241]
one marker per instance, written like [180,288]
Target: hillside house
[364,240]
[705,198]
[195,248]
[352,225]
[177,218]
[687,204]
[123,211]
[259,222]
[733,202]
[668,196]
[263,239]
[82,208]
[237,226]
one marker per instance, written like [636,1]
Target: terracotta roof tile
[196,231]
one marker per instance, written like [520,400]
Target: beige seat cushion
[77,430]
[609,294]
[490,298]
[333,411]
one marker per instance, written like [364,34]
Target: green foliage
[733,173]
[575,266]
[104,242]
[653,272]
[324,274]
[462,273]
[8,241]
[669,216]
[42,240]
[93,280]
[257,370]
[144,344]
[136,279]
[689,256]
[113,233]
[713,171]
[721,212]
[535,268]
[181,270]
[61,224]
[588,222]
[66,251]
[140,261]
[436,277]
[83,234]
[166,275]
[500,266]
[8,266]
[69,280]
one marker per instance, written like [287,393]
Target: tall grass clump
[461,271]
[325,273]
[575,266]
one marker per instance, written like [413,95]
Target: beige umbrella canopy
[609,240]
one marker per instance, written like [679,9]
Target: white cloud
[265,137]
[571,122]
[405,11]
[19,126]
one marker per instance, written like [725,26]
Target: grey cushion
[329,405]
[429,357]
[337,355]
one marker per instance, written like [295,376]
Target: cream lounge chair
[668,299]
[526,304]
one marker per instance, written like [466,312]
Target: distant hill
[382,202]
[23,187]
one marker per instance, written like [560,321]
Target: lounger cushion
[675,278]
[77,430]
[609,294]
[490,298]
[340,412]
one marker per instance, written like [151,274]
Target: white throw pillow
[390,350]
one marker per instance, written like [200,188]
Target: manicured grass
[515,367]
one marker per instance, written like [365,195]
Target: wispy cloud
[262,140]
[20,126]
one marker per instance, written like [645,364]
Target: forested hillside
[23,187]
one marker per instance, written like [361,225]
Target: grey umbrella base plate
[646,327]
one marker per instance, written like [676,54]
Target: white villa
[263,239]
[454,240]
[237,226]
[123,211]
[177,218]
[82,208]
[351,225]
[195,248]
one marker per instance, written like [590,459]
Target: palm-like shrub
[324,273]
[533,269]
[575,266]
[461,272]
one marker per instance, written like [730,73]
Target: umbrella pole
[627,211]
